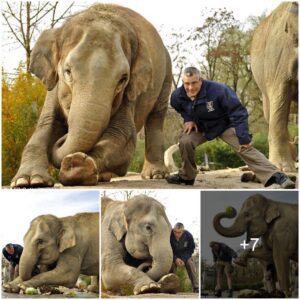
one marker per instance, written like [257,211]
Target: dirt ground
[161,295]
[78,295]
[220,179]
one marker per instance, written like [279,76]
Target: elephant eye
[123,79]
[40,242]
[68,74]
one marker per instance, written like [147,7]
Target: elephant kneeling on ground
[135,249]
[276,223]
[60,249]
[108,75]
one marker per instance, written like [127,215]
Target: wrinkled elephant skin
[63,248]
[276,223]
[108,74]
[274,63]
[135,248]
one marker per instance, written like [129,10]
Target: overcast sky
[176,13]
[213,202]
[19,207]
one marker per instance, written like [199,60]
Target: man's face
[178,233]
[192,85]
[216,247]
[10,250]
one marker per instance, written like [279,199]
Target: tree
[24,19]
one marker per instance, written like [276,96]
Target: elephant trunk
[162,258]
[87,119]
[238,228]
[27,264]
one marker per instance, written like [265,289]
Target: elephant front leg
[111,155]
[154,166]
[57,276]
[123,275]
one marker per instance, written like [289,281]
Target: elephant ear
[44,58]
[141,77]
[67,238]
[272,212]
[118,224]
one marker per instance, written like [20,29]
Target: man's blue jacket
[215,109]
[183,248]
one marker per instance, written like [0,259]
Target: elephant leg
[65,276]
[124,275]
[33,170]
[154,166]
[111,154]
[280,153]
[282,265]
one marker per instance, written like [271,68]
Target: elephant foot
[32,178]
[11,287]
[154,171]
[105,177]
[169,284]
[152,287]
[78,169]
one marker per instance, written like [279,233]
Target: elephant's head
[96,60]
[45,239]
[254,218]
[146,229]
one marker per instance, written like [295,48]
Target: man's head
[214,245]
[178,230]
[10,249]
[192,81]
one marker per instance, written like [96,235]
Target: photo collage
[179,180]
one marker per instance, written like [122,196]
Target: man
[12,253]
[211,109]
[183,246]
[222,256]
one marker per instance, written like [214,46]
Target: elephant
[135,246]
[276,223]
[274,64]
[108,74]
[62,248]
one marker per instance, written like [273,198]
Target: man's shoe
[288,184]
[176,179]
[230,293]
[196,290]
[218,293]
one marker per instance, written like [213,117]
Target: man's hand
[244,147]
[189,126]
[179,262]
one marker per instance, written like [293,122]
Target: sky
[173,14]
[213,202]
[19,207]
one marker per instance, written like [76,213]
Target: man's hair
[9,246]
[211,244]
[178,226]
[190,71]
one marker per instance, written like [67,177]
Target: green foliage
[136,164]
[185,283]
[21,105]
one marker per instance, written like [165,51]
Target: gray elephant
[108,74]
[274,63]
[135,246]
[62,248]
[276,223]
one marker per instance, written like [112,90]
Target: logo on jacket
[210,106]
